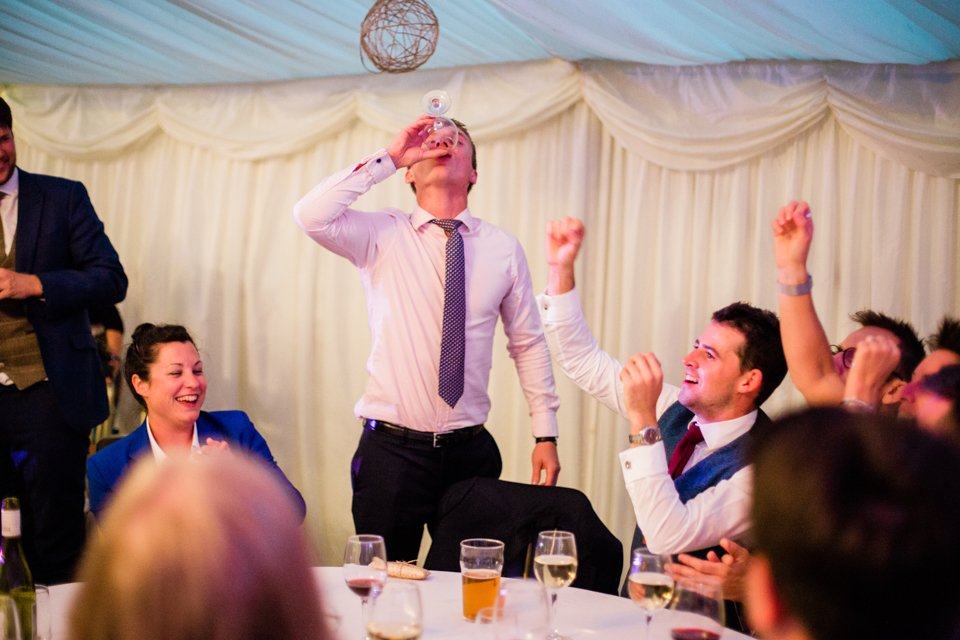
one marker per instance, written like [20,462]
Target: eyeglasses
[848,354]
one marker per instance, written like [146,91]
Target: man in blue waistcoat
[686,469]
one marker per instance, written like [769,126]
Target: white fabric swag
[676,171]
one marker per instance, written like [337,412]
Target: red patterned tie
[685,449]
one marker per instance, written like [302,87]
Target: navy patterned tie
[453,340]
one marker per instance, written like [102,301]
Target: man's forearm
[560,279]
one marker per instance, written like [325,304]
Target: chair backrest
[107,441]
[515,513]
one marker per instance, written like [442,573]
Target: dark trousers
[398,483]
[43,463]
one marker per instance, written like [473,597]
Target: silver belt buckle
[436,442]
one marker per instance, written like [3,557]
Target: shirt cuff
[378,166]
[559,308]
[637,463]
[545,425]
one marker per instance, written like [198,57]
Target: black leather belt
[437,440]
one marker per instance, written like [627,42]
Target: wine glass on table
[365,568]
[648,583]
[396,613]
[9,618]
[524,608]
[555,566]
[697,607]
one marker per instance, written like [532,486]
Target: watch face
[650,435]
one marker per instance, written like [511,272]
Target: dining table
[580,614]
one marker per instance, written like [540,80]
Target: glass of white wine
[648,583]
[555,566]
[396,613]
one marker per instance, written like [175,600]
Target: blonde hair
[208,547]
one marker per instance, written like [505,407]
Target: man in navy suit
[55,261]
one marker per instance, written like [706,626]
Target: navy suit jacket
[107,467]
[61,240]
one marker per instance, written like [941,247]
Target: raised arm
[805,344]
[564,238]
[325,215]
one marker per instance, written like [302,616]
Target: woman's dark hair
[143,350]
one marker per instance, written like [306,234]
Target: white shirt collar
[421,217]
[159,454]
[12,186]
[717,434]
[9,207]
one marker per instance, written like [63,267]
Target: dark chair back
[515,513]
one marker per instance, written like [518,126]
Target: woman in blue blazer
[164,371]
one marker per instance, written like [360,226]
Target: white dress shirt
[9,208]
[159,454]
[8,218]
[401,259]
[669,525]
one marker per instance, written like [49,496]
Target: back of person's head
[911,347]
[142,351]
[947,336]
[762,347]
[855,516]
[6,116]
[207,548]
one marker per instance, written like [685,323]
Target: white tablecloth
[581,614]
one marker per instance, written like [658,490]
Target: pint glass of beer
[481,561]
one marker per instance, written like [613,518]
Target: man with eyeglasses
[891,347]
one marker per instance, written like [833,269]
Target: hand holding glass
[555,566]
[481,561]
[441,132]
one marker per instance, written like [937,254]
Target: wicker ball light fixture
[398,35]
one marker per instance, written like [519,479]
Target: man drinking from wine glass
[686,469]
[436,282]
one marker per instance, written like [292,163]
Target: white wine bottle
[15,578]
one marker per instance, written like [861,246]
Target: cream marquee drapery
[677,172]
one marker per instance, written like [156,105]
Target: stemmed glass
[697,605]
[648,583]
[365,568]
[9,618]
[442,132]
[555,566]
[396,613]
